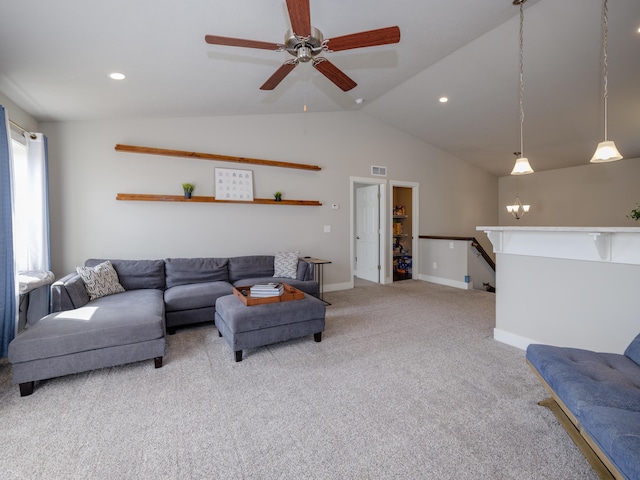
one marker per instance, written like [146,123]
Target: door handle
[357,238]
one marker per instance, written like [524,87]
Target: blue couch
[600,394]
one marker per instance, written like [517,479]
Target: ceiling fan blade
[279,75]
[241,42]
[300,17]
[334,74]
[370,38]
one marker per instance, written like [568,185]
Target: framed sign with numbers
[232,184]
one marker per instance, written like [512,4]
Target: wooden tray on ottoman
[290,293]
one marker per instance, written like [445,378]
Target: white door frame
[384,248]
[415,225]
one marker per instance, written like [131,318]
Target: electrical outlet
[435,266]
[327,229]
[451,245]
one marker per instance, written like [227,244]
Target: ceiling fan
[306,42]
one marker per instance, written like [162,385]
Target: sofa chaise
[155,296]
[596,397]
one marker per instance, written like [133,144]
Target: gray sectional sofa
[160,295]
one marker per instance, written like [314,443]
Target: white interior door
[368,233]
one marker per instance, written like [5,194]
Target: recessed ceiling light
[117,76]
[443,100]
[359,100]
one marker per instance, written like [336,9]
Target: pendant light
[522,166]
[517,209]
[606,151]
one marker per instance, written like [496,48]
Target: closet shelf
[202,199]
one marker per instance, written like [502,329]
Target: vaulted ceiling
[55,58]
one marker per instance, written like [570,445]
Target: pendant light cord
[521,92]
[605,41]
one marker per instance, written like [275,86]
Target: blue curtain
[7,274]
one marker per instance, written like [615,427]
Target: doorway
[368,229]
[367,265]
[404,231]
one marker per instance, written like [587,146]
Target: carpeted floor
[406,383]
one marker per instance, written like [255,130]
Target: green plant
[635,213]
[278,196]
[188,187]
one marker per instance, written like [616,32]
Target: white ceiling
[55,58]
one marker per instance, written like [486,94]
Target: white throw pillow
[285,264]
[101,280]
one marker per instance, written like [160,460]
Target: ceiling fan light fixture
[304,48]
[304,54]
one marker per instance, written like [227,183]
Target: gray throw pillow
[285,264]
[101,280]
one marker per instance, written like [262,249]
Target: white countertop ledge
[597,244]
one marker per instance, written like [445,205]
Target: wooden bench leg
[26,389]
[238,355]
[317,336]
[574,432]
[158,362]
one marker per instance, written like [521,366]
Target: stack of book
[264,290]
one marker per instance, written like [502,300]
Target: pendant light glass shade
[606,151]
[521,167]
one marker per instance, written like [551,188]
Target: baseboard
[512,339]
[446,281]
[334,287]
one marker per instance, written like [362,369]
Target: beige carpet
[406,383]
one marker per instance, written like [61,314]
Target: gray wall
[589,195]
[87,173]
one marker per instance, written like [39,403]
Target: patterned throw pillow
[285,264]
[101,280]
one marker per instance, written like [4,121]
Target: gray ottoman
[254,326]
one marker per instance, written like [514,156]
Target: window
[20,204]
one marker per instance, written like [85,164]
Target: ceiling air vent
[378,171]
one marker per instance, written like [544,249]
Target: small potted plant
[635,213]
[188,189]
[278,196]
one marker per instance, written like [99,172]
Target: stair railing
[474,243]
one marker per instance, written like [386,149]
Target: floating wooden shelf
[144,197]
[212,156]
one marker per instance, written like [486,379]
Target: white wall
[444,261]
[589,195]
[448,262]
[570,303]
[87,173]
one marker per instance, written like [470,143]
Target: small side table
[318,275]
